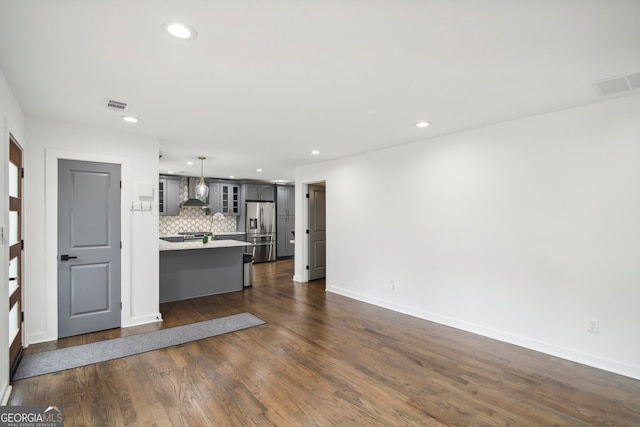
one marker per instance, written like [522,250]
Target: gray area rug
[47,362]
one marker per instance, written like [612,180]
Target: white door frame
[51,232]
[301,258]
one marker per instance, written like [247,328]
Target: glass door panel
[14,322]
[13,228]
[14,283]
[14,178]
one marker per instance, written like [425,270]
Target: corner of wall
[143,320]
[6,393]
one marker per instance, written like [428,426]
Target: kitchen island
[192,269]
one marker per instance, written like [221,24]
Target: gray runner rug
[47,362]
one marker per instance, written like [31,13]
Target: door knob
[67,257]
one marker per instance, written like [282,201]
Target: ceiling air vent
[116,105]
[617,84]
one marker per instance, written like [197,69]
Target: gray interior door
[88,247]
[317,232]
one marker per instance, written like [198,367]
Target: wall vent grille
[116,105]
[618,84]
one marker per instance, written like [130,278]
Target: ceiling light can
[180,31]
[422,124]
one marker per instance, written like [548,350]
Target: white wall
[11,121]
[49,141]
[521,231]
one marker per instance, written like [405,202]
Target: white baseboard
[5,395]
[143,320]
[134,321]
[594,361]
[38,338]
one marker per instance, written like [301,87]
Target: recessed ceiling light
[130,119]
[258,170]
[422,124]
[169,171]
[189,163]
[181,31]
[231,176]
[315,152]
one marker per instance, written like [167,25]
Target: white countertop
[197,244]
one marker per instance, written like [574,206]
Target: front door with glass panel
[15,253]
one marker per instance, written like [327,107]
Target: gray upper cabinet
[168,195]
[214,197]
[224,197]
[259,192]
[285,210]
[285,199]
[230,199]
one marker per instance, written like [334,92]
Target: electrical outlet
[593,326]
[393,284]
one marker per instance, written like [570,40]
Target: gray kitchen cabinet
[224,197]
[234,236]
[285,221]
[215,204]
[230,199]
[285,200]
[168,195]
[259,192]
[285,225]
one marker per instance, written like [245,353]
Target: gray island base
[200,270]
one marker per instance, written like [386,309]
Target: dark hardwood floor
[326,360]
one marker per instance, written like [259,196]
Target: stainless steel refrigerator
[261,230]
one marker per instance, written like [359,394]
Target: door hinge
[120,305]
[22,317]
[121,185]
[22,172]
[307,195]
[307,231]
[307,267]
[22,244]
[120,244]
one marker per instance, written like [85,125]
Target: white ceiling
[267,81]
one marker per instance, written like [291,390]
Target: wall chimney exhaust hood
[193,201]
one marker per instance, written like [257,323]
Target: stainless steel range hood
[194,202]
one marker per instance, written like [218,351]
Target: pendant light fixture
[202,189]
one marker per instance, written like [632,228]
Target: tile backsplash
[189,220]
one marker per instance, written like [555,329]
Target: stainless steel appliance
[261,230]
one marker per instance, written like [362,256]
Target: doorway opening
[317,231]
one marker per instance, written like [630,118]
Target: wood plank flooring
[325,360]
